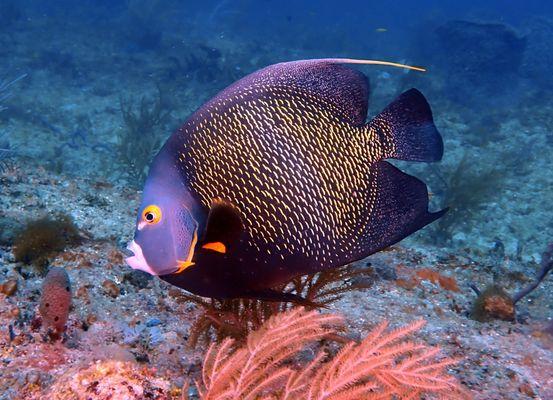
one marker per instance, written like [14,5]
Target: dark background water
[270,31]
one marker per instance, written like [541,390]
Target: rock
[9,287]
[538,56]
[479,58]
[385,271]
[493,303]
[82,293]
[111,288]
[153,322]
[140,279]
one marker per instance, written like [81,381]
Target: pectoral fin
[219,247]
[223,229]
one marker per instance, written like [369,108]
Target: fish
[280,175]
[381,30]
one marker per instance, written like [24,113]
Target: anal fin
[400,209]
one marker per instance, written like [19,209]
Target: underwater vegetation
[495,303]
[42,238]
[466,188]
[6,150]
[5,86]
[384,365]
[140,140]
[6,153]
[236,318]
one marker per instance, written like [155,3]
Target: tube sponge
[55,300]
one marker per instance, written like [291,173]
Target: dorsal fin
[346,88]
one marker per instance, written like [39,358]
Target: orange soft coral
[383,366]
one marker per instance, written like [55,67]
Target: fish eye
[152,214]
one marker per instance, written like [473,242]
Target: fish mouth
[138,261]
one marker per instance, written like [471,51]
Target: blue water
[90,90]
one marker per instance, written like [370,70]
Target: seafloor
[64,121]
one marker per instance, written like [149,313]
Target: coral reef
[383,365]
[41,238]
[55,301]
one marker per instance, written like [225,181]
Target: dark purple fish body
[280,175]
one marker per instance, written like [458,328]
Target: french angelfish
[279,175]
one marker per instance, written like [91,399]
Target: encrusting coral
[384,365]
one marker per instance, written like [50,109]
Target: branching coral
[546,265]
[237,317]
[385,365]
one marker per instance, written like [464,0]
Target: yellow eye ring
[152,214]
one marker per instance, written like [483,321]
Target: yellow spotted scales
[296,169]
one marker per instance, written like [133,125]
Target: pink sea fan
[383,366]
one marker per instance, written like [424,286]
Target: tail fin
[407,129]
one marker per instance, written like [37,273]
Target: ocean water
[91,90]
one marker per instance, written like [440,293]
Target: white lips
[138,261]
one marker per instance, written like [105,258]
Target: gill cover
[168,220]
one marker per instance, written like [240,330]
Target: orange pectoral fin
[215,246]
